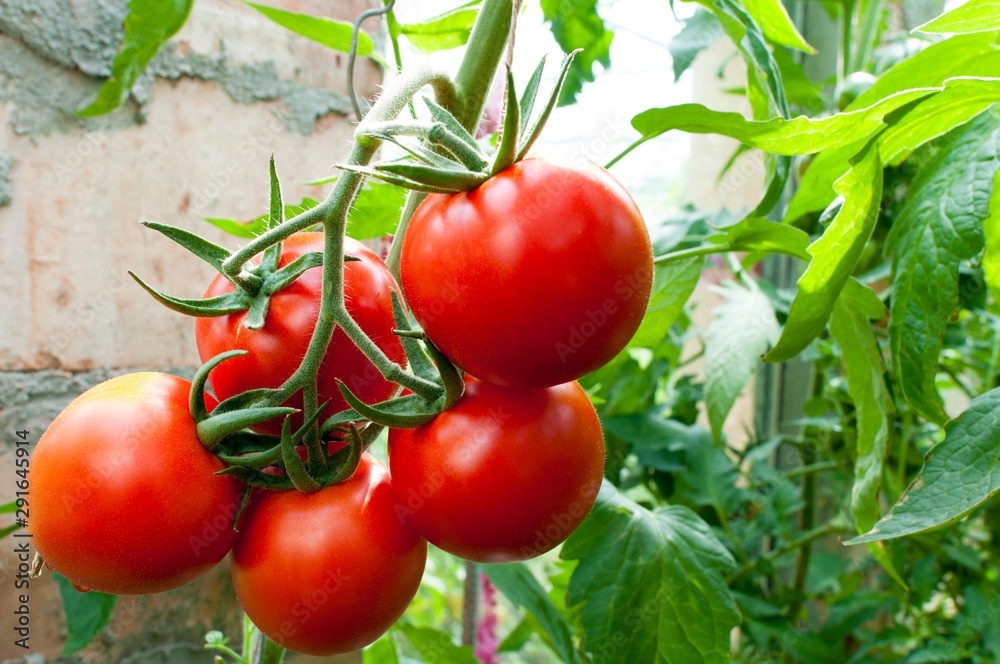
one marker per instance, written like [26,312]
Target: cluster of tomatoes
[535,278]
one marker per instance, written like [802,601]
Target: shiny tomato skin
[538,277]
[331,571]
[124,498]
[504,475]
[275,350]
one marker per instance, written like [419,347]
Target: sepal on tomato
[410,410]
[246,399]
[293,464]
[428,170]
[215,428]
[405,412]
[254,285]
[419,362]
[254,461]
[230,303]
[507,149]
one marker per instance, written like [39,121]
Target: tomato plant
[125,497]
[503,475]
[535,278]
[327,572]
[870,254]
[275,350]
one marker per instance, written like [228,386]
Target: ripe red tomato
[276,349]
[539,276]
[327,572]
[504,475]
[123,495]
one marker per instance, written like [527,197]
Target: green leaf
[507,147]
[744,328]
[964,55]
[958,475]
[940,226]
[834,254]
[376,211]
[961,100]
[653,583]
[654,440]
[874,417]
[868,34]
[328,32]
[86,614]
[9,508]
[382,651]
[765,85]
[577,24]
[209,252]
[435,646]
[254,227]
[776,24]
[7,530]
[148,26]
[673,284]
[699,32]
[711,473]
[528,138]
[744,31]
[448,30]
[991,232]
[757,235]
[220,305]
[801,135]
[530,93]
[864,300]
[798,86]
[973,16]
[518,584]
[517,637]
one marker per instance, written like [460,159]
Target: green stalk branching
[465,98]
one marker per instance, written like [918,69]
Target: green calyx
[450,159]
[283,455]
[410,410]
[231,416]
[254,285]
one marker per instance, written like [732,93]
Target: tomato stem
[473,82]
[339,201]
[262,649]
[465,98]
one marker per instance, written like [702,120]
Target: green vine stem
[466,97]
[332,213]
[263,650]
[339,201]
[472,82]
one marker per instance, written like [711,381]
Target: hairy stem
[333,311]
[339,201]
[470,603]
[473,82]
